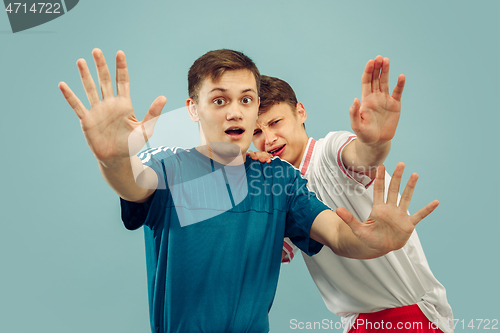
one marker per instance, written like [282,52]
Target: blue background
[66,262]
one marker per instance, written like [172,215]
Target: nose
[233,112]
[270,137]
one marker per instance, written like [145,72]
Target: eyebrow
[273,120]
[225,90]
[267,124]
[247,90]
[217,89]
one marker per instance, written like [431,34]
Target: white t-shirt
[352,286]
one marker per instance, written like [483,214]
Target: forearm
[364,158]
[329,229]
[129,178]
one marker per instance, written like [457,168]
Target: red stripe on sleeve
[288,249]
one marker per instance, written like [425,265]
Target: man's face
[227,111]
[280,132]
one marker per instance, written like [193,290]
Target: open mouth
[277,151]
[235,132]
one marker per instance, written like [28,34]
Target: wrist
[375,253]
[372,154]
[378,145]
[114,163]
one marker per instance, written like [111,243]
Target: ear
[301,112]
[193,112]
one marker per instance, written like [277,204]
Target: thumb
[423,212]
[155,108]
[349,219]
[354,112]
[354,109]
[149,120]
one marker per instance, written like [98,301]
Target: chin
[226,149]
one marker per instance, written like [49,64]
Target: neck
[232,159]
[302,152]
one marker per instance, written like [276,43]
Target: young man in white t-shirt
[397,291]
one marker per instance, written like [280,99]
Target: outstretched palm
[375,120]
[109,122]
[389,225]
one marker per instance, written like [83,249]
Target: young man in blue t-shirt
[204,209]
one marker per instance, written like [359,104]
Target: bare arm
[111,129]
[120,177]
[374,120]
[388,227]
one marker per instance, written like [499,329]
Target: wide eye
[246,100]
[219,101]
[257,131]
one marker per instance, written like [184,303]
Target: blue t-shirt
[202,226]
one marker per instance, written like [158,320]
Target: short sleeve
[303,207]
[134,214]
[289,251]
[334,144]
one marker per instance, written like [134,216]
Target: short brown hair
[213,64]
[274,91]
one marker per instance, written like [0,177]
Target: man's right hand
[110,121]
[112,131]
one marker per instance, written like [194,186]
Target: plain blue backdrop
[66,262]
